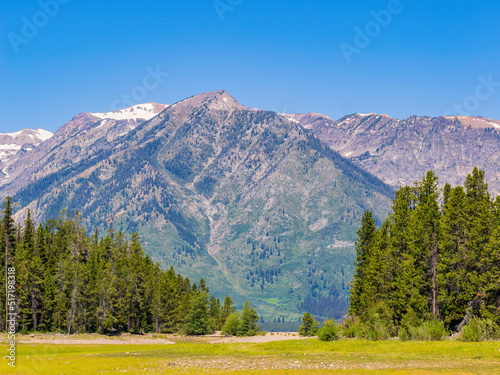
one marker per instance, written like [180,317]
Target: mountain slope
[239,196]
[13,145]
[82,137]
[400,151]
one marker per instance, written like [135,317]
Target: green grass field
[281,357]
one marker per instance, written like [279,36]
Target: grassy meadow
[296,356]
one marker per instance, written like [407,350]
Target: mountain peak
[25,136]
[218,99]
[144,111]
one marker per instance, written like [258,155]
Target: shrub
[352,327]
[429,330]
[480,330]
[403,334]
[329,331]
[377,331]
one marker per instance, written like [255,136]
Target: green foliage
[197,320]
[249,319]
[329,331]
[232,326]
[432,265]
[226,310]
[430,330]
[69,282]
[309,325]
[351,328]
[242,323]
[480,330]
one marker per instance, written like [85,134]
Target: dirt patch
[149,339]
[94,339]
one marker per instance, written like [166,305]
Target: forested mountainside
[243,198]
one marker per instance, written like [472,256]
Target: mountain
[400,151]
[13,145]
[244,198]
[82,137]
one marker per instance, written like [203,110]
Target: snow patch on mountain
[136,112]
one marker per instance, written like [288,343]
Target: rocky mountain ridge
[400,151]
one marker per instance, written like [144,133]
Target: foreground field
[290,355]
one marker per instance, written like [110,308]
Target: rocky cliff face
[244,198]
[400,151]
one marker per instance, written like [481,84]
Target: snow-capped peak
[23,136]
[136,112]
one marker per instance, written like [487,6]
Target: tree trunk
[72,310]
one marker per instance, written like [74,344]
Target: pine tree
[214,312]
[309,325]
[197,320]
[249,319]
[24,256]
[364,246]
[425,234]
[8,243]
[452,278]
[226,310]
[479,210]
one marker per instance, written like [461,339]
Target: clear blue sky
[276,55]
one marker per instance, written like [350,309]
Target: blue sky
[421,57]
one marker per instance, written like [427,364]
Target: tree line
[436,258]
[67,281]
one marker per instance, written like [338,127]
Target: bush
[480,330]
[431,330]
[377,331]
[474,331]
[355,328]
[329,331]
[351,328]
[403,334]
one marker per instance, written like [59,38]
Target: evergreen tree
[226,310]
[214,313]
[309,325]
[360,287]
[249,319]
[7,245]
[24,256]
[425,234]
[197,320]
[452,279]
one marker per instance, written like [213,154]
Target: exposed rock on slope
[400,151]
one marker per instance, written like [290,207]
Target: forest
[67,281]
[433,264]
